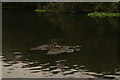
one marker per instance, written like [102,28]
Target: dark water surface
[23,30]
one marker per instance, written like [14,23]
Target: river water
[24,29]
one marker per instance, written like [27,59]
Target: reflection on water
[58,69]
[98,56]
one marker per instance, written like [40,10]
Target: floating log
[57,49]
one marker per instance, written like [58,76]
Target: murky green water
[23,30]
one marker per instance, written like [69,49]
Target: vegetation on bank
[40,10]
[103,14]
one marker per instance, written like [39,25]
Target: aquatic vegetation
[40,10]
[103,14]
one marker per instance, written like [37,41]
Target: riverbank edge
[103,14]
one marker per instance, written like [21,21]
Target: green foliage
[103,14]
[40,10]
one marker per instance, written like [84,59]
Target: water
[23,30]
